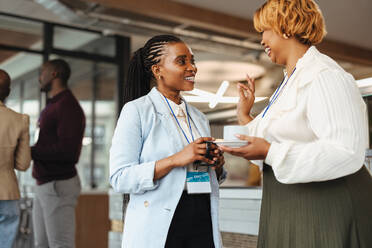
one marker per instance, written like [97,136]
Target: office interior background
[97,38]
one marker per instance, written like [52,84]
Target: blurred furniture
[92,220]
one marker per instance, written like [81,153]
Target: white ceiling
[348,21]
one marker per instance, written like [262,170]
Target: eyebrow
[185,56]
[181,56]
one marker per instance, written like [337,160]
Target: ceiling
[347,24]
[347,21]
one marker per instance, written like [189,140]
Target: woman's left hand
[256,149]
[220,161]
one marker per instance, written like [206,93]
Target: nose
[192,67]
[262,43]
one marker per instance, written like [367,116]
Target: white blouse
[317,126]
[180,112]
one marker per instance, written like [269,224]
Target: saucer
[231,143]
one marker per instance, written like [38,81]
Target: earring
[159,77]
[285,36]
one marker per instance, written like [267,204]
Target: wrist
[266,149]
[172,162]
[244,119]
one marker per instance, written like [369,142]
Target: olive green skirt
[330,214]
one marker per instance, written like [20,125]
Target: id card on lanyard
[197,182]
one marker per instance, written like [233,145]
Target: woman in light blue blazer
[159,141]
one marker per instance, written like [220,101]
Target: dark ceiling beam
[220,22]
[346,52]
[184,14]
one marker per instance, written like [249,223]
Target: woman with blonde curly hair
[310,139]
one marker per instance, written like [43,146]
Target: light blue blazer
[145,133]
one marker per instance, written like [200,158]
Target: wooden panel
[92,221]
[223,23]
[238,240]
[346,52]
[15,38]
[184,14]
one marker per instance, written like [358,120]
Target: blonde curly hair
[301,19]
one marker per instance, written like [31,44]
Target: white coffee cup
[230,131]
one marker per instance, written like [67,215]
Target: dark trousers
[191,225]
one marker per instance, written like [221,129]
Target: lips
[267,50]
[192,78]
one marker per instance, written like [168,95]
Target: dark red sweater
[62,124]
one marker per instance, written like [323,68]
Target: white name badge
[198,182]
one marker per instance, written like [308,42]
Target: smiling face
[176,68]
[276,46]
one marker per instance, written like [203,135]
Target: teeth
[267,50]
[189,78]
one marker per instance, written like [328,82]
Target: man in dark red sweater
[62,124]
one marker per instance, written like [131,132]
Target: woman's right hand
[195,151]
[246,101]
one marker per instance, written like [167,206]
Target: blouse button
[146,203]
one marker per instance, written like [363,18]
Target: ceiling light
[219,94]
[202,96]
[365,86]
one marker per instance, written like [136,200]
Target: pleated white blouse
[317,126]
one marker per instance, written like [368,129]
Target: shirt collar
[305,59]
[59,96]
[177,108]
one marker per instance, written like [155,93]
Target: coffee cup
[210,148]
[230,131]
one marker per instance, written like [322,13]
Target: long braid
[139,75]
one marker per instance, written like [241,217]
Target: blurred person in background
[55,154]
[15,153]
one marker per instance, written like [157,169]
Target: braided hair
[139,74]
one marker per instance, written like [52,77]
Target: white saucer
[231,143]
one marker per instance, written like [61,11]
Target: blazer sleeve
[23,152]
[336,115]
[127,174]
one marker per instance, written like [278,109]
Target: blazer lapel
[166,119]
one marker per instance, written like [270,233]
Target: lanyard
[188,119]
[277,92]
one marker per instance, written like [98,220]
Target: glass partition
[21,33]
[94,81]
[82,41]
